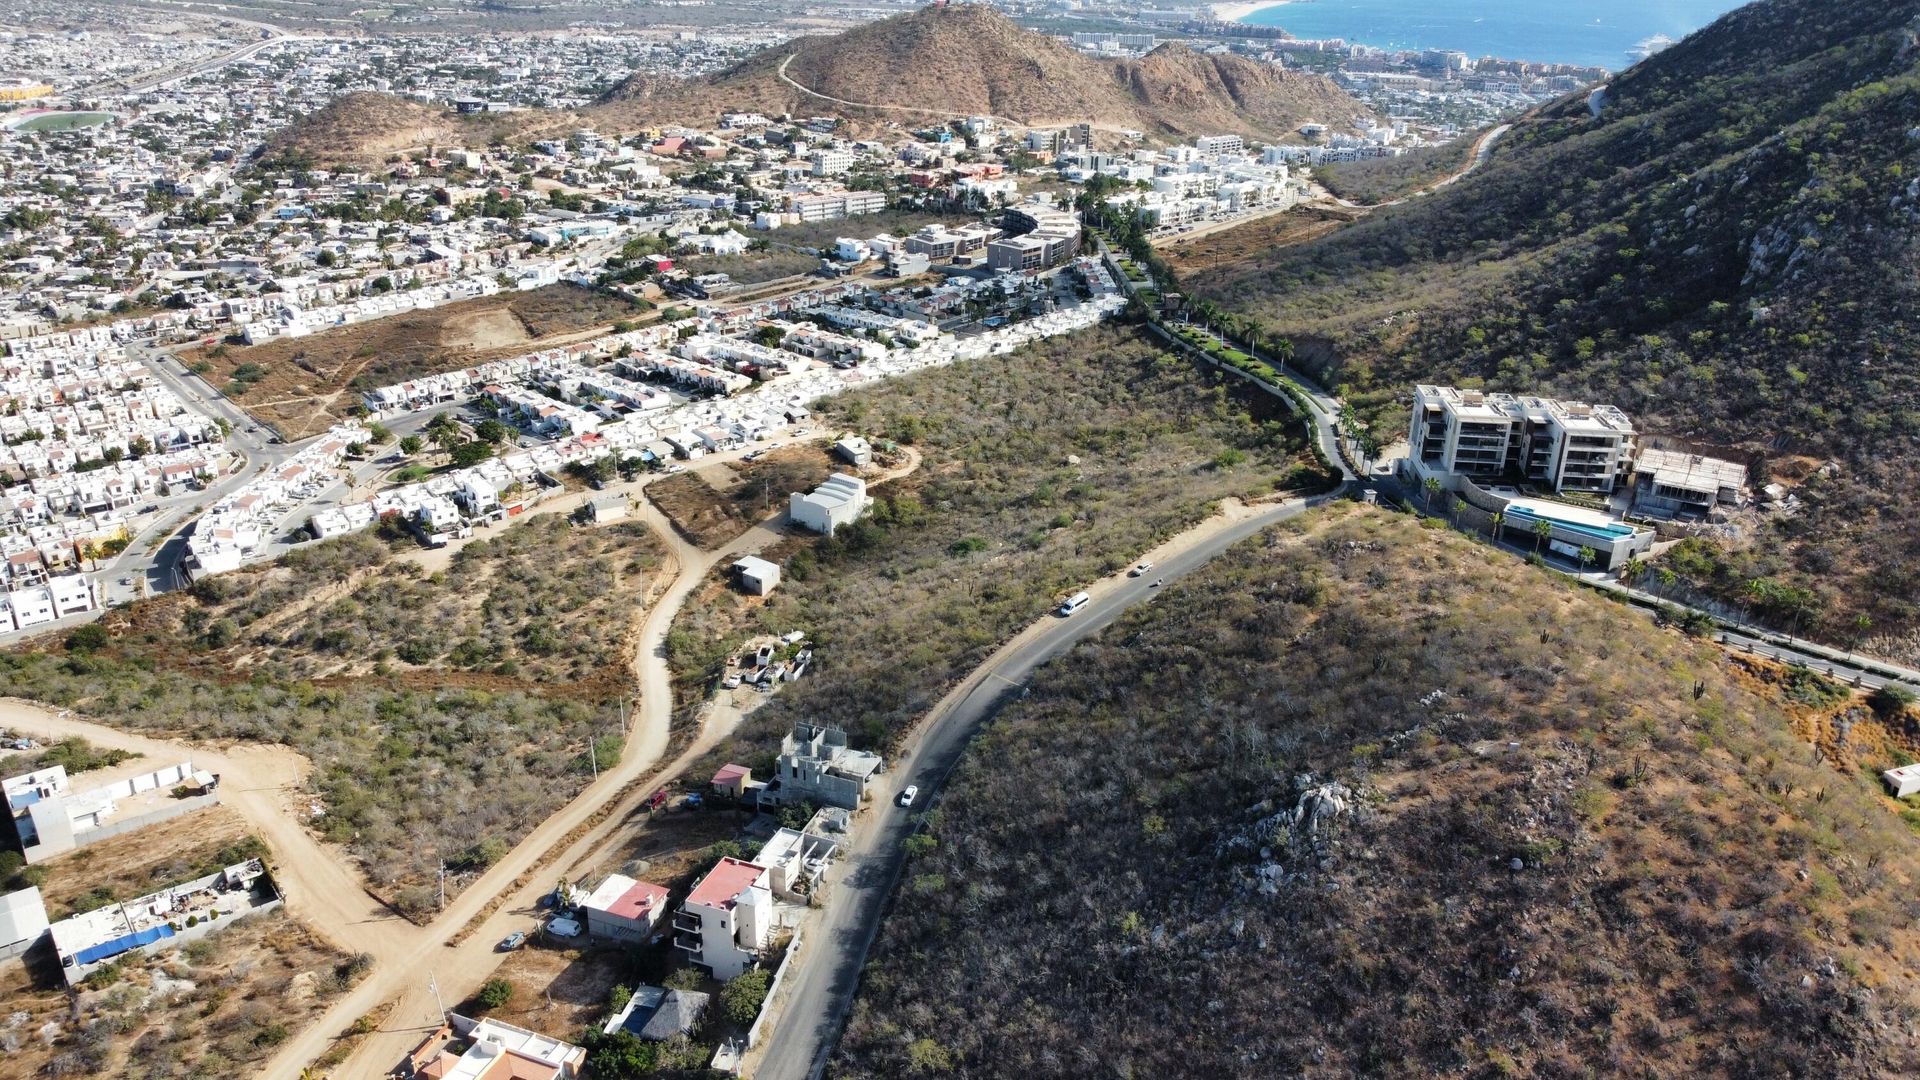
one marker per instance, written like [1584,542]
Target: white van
[1074,603]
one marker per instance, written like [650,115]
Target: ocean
[1603,33]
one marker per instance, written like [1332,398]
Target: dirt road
[323,887]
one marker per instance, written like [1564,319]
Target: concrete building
[622,909]
[1216,145]
[816,765]
[839,501]
[795,861]
[727,919]
[23,920]
[1565,445]
[757,576]
[48,817]
[1671,482]
[854,450]
[608,508]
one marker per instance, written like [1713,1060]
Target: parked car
[1072,604]
[1140,570]
[911,793]
[563,927]
[513,941]
[731,682]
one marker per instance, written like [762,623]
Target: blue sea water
[1603,33]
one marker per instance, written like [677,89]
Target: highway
[820,991]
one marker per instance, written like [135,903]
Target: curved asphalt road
[821,991]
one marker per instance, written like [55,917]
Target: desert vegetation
[1723,251]
[445,710]
[1040,471]
[1377,180]
[213,1007]
[1560,841]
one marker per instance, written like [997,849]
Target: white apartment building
[1216,145]
[1568,445]
[727,919]
[830,162]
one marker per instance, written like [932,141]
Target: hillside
[972,60]
[1727,250]
[367,127]
[1544,838]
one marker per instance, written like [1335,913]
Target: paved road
[816,1001]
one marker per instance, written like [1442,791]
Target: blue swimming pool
[1519,515]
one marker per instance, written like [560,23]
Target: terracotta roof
[640,902]
[725,882]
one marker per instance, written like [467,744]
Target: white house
[727,919]
[757,576]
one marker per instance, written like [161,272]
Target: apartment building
[727,919]
[1216,145]
[829,162]
[1567,445]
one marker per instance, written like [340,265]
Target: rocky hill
[1361,798]
[1723,242]
[971,60]
[367,127]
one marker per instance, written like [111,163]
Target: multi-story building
[1215,145]
[816,765]
[840,500]
[1567,445]
[727,919]
[830,162]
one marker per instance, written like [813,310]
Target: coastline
[1238,12]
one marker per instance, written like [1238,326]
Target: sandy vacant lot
[306,385]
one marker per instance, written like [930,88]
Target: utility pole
[593,757]
[433,984]
[443,886]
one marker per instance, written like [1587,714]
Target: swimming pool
[1569,518]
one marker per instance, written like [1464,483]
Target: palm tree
[1499,519]
[1542,530]
[1634,570]
[1432,486]
[1586,556]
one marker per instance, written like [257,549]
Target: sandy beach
[1237,12]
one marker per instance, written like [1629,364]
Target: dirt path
[262,783]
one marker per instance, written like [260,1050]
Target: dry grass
[138,863]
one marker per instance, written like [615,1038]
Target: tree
[412,445]
[1634,570]
[621,1055]
[493,431]
[468,454]
[1431,485]
[743,995]
[1586,556]
[1499,519]
[88,638]
[1542,531]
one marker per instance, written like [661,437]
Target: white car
[906,797]
[1140,570]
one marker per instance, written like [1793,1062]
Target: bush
[495,993]
[88,638]
[1891,701]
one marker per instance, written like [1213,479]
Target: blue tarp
[95,953]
